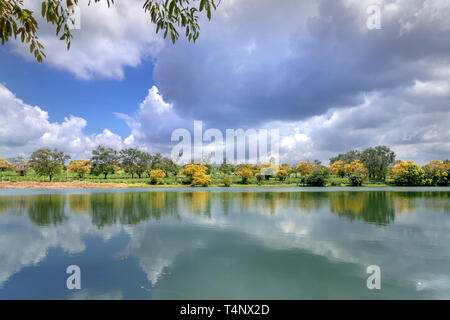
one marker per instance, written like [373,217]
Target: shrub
[318,177]
[227,182]
[407,173]
[245,173]
[156,176]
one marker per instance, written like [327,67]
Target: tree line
[376,164]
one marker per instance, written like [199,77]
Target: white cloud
[109,40]
[24,128]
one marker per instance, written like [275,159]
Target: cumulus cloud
[109,39]
[24,128]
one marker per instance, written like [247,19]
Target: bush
[227,182]
[318,177]
[407,173]
[356,180]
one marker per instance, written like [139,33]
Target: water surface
[225,243]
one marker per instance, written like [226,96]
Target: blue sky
[61,94]
[312,69]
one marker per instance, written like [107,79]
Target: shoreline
[24,185]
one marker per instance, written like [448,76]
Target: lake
[225,243]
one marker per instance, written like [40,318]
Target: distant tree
[436,173]
[377,160]
[338,168]
[134,161]
[282,174]
[5,165]
[80,167]
[318,176]
[169,16]
[157,161]
[357,172]
[245,173]
[407,173]
[104,161]
[348,157]
[156,176]
[305,168]
[46,162]
[20,165]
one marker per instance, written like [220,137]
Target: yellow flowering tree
[338,168]
[5,165]
[80,167]
[357,172]
[245,173]
[282,174]
[201,179]
[305,168]
[156,176]
[407,173]
[196,174]
[436,173]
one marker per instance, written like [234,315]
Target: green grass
[217,179]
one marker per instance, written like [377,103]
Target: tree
[156,176]
[305,168]
[194,169]
[338,168]
[317,177]
[104,161]
[377,161]
[47,162]
[245,173]
[436,173]
[5,165]
[357,172]
[20,164]
[407,173]
[81,167]
[282,174]
[169,16]
[134,161]
[200,178]
[348,157]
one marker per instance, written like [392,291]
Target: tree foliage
[245,173]
[436,173]
[5,165]
[156,176]
[377,161]
[169,16]
[80,167]
[104,161]
[48,162]
[305,168]
[407,173]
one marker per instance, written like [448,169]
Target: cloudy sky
[312,69]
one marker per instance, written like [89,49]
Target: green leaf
[44,8]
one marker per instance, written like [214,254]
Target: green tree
[318,177]
[169,16]
[348,157]
[104,161]
[134,161]
[47,162]
[377,160]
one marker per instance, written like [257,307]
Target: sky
[312,69]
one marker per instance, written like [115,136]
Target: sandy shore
[58,185]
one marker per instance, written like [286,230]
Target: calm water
[275,243]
